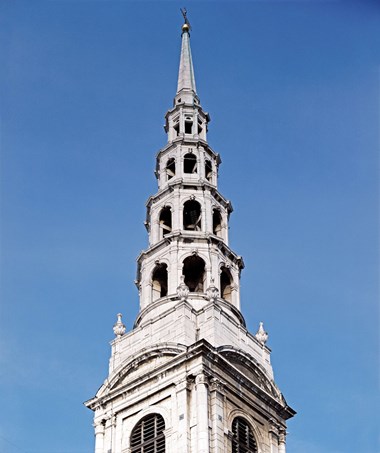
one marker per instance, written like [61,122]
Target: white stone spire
[186,79]
[189,352]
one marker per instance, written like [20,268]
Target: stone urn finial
[261,335]
[212,292]
[119,327]
[182,289]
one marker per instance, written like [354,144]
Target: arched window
[170,168]
[165,221]
[208,170]
[160,281]
[192,219]
[225,284]
[243,440]
[188,125]
[216,222]
[190,163]
[194,272]
[148,435]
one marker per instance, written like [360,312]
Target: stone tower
[189,377]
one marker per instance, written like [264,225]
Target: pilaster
[201,383]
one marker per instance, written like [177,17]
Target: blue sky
[293,92]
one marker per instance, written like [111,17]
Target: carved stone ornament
[212,292]
[216,384]
[183,289]
[282,436]
[261,335]
[119,327]
[201,379]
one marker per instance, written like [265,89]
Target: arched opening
[243,440]
[170,168]
[217,222]
[165,221]
[159,281]
[194,272]
[176,128]
[200,126]
[148,435]
[208,170]
[192,216]
[190,163]
[226,284]
[188,125]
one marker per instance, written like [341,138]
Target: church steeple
[186,80]
[189,376]
[186,117]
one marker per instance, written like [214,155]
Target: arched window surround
[148,434]
[190,164]
[165,221]
[243,437]
[226,282]
[217,222]
[192,215]
[252,423]
[170,168]
[159,281]
[195,272]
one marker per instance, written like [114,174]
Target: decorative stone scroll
[212,292]
[183,290]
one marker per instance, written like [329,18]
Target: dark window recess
[208,170]
[165,221]
[188,127]
[148,435]
[176,128]
[225,284]
[200,128]
[170,168]
[190,163]
[160,281]
[192,216]
[242,437]
[194,272]
[216,222]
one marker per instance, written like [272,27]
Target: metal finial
[186,26]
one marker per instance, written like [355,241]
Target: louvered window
[148,435]
[242,437]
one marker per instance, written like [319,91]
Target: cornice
[181,183]
[184,235]
[214,366]
[186,140]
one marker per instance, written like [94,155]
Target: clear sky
[293,92]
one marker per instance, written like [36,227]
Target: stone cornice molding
[182,183]
[219,304]
[188,141]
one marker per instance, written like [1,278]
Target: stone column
[99,437]
[117,428]
[182,410]
[282,440]
[273,436]
[217,415]
[202,414]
